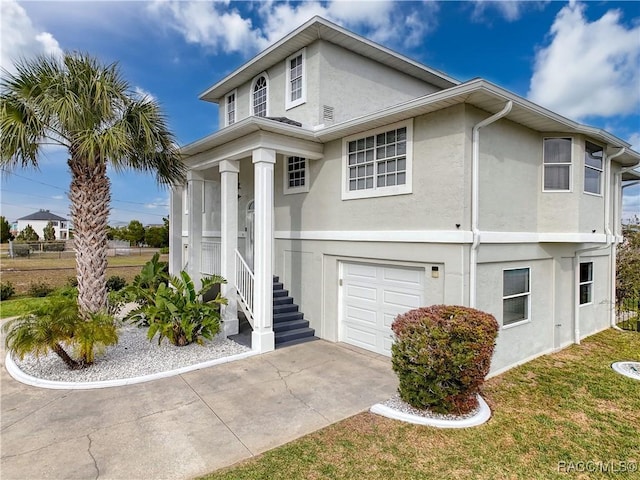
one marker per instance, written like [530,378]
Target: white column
[175,230]
[196,183]
[229,242]
[262,338]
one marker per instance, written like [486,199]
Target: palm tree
[87,107]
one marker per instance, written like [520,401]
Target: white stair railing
[211,258]
[245,285]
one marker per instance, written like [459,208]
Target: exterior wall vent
[327,114]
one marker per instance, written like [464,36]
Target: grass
[566,407]
[21,272]
[18,306]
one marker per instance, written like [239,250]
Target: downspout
[617,180]
[608,245]
[475,197]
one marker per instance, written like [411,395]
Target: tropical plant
[55,323]
[49,233]
[442,355]
[5,230]
[28,234]
[178,313]
[88,108]
[6,290]
[39,289]
[115,283]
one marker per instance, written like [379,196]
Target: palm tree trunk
[90,196]
[71,363]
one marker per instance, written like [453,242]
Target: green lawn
[18,306]
[548,416]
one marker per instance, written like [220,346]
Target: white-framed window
[516,295]
[260,96]
[557,164]
[586,283]
[296,91]
[230,102]
[593,166]
[296,175]
[378,162]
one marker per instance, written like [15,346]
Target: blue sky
[579,59]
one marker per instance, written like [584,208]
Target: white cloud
[142,94]
[217,26]
[58,197]
[634,140]
[588,68]
[508,10]
[20,38]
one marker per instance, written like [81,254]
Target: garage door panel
[401,299]
[361,337]
[372,297]
[358,292]
[363,315]
[363,272]
[412,277]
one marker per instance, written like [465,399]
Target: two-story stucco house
[39,220]
[370,184]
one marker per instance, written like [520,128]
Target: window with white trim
[296,86]
[593,160]
[378,163]
[586,283]
[230,108]
[296,175]
[516,295]
[557,164]
[259,93]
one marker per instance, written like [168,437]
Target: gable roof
[315,29]
[44,215]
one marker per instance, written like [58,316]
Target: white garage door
[372,297]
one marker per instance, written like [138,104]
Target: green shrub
[115,283]
[54,246]
[21,249]
[178,313]
[6,290]
[55,323]
[164,250]
[442,355]
[72,281]
[39,289]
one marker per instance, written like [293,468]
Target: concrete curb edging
[618,367]
[22,377]
[484,413]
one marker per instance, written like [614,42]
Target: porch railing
[244,285]
[211,258]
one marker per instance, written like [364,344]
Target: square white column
[194,200]
[229,242]
[175,229]
[263,338]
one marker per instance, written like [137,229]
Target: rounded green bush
[442,355]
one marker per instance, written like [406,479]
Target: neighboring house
[40,219]
[371,184]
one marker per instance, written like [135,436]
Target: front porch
[232,242]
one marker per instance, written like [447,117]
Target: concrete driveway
[190,424]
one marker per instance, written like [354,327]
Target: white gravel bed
[133,356]
[400,405]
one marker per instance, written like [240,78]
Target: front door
[250,231]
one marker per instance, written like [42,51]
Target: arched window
[259,96]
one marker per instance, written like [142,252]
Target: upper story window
[296,85]
[593,158]
[296,175]
[557,164]
[230,108]
[516,295]
[259,96]
[378,163]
